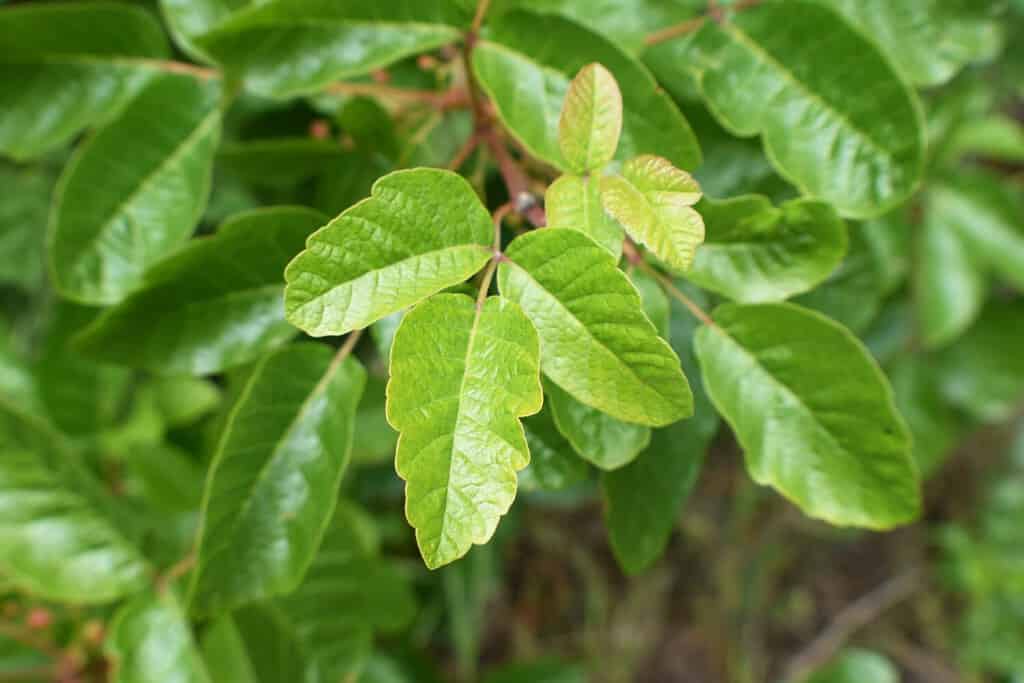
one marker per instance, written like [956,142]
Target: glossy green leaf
[856,666]
[836,119]
[654,300]
[993,137]
[929,41]
[421,231]
[853,293]
[985,213]
[188,20]
[74,64]
[642,500]
[150,640]
[459,450]
[598,438]
[255,644]
[182,400]
[274,477]
[574,202]
[598,344]
[554,465]
[214,304]
[591,120]
[950,284]
[653,201]
[134,191]
[813,412]
[983,372]
[23,215]
[527,79]
[756,252]
[281,162]
[348,594]
[286,48]
[54,543]
[224,651]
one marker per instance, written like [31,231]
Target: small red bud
[39,618]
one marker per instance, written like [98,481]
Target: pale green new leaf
[285,48]
[53,543]
[461,377]
[813,412]
[420,231]
[134,191]
[150,640]
[599,346]
[527,81]
[574,202]
[73,65]
[756,252]
[836,118]
[928,40]
[273,481]
[591,120]
[653,201]
[214,304]
[598,438]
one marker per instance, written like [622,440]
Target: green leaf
[813,413]
[23,214]
[950,284]
[654,300]
[375,440]
[274,477]
[134,191]
[150,640]
[285,48]
[996,136]
[837,120]
[853,293]
[182,400]
[214,304]
[421,231]
[226,655]
[983,372]
[927,40]
[461,376]
[598,344]
[188,20]
[348,594]
[756,253]
[652,200]
[856,666]
[75,64]
[540,671]
[985,212]
[554,465]
[255,645]
[598,438]
[934,424]
[281,162]
[53,543]
[642,500]
[574,202]
[591,120]
[527,79]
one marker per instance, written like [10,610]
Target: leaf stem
[714,12]
[345,350]
[467,148]
[485,281]
[634,257]
[185,68]
[450,99]
[478,18]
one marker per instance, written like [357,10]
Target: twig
[478,18]
[485,282]
[634,257]
[201,72]
[714,12]
[438,99]
[176,571]
[855,616]
[516,182]
[467,148]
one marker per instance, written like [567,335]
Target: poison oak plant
[566,281]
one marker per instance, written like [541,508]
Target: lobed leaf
[527,80]
[756,252]
[591,120]
[461,377]
[213,305]
[420,231]
[134,191]
[273,481]
[598,344]
[652,200]
[813,413]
